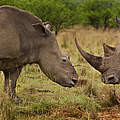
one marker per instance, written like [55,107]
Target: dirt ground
[67,113]
[110,113]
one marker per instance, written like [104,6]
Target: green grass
[59,103]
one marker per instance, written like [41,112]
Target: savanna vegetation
[90,99]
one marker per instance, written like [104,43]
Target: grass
[45,100]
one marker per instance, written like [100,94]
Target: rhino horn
[108,50]
[94,61]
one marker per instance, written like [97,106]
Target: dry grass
[45,100]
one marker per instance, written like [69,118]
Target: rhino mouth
[114,83]
[72,84]
[68,85]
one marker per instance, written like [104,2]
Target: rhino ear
[94,61]
[39,27]
[108,50]
[48,26]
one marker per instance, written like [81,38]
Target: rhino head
[108,66]
[52,61]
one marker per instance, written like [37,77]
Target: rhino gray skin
[25,40]
[108,66]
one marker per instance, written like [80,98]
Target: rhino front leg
[6,82]
[10,82]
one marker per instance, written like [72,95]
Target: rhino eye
[64,59]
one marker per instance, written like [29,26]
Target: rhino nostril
[74,80]
[112,79]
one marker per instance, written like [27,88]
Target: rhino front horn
[94,61]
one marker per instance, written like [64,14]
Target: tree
[99,13]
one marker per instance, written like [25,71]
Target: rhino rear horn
[94,61]
[108,50]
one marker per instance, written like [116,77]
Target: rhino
[25,40]
[108,66]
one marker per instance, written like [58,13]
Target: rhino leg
[6,82]
[10,82]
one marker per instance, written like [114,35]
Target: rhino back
[17,33]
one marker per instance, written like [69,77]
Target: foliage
[99,13]
[65,13]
